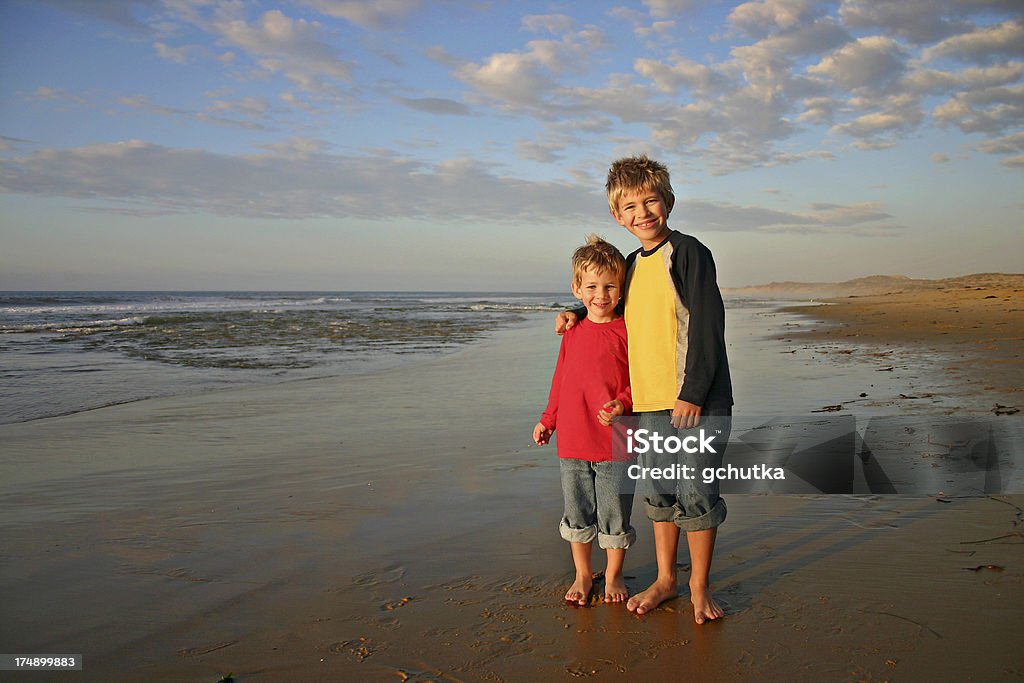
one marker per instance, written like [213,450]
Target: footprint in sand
[360,648]
[395,604]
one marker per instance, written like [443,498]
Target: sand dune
[974,325]
[876,285]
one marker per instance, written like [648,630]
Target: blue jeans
[598,501]
[692,504]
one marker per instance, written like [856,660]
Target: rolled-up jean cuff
[585,535]
[709,520]
[617,541]
[660,513]
[673,513]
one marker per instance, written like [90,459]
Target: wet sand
[973,327]
[399,526]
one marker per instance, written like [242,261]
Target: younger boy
[589,390]
[679,371]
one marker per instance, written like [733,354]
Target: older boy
[678,366]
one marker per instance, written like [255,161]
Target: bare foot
[579,591]
[704,606]
[615,588]
[657,593]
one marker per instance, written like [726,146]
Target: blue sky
[405,144]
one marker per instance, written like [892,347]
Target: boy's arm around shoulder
[566,320]
[693,268]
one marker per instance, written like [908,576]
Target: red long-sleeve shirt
[592,369]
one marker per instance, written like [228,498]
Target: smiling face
[645,214]
[600,291]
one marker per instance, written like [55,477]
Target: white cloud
[435,105]
[179,55]
[920,21]
[983,44]
[301,178]
[814,38]
[933,81]
[869,144]
[375,14]
[295,180]
[545,152]
[733,111]
[986,110]
[873,61]
[739,107]
[298,49]
[730,152]
[846,215]
[626,14]
[895,115]
[1004,145]
[661,30]
[858,218]
[801,69]
[289,46]
[298,148]
[669,8]
[595,123]
[680,72]
[819,110]
[250,111]
[527,78]
[557,24]
[764,17]
[255,107]
[512,78]
[302,103]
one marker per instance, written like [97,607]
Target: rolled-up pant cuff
[585,535]
[674,513]
[616,541]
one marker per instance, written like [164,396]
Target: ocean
[65,352]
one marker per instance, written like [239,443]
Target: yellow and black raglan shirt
[676,322]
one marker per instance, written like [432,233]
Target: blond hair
[637,174]
[597,255]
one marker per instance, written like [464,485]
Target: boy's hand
[610,412]
[541,434]
[685,415]
[564,321]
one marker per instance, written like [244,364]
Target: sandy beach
[399,525]
[975,324]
